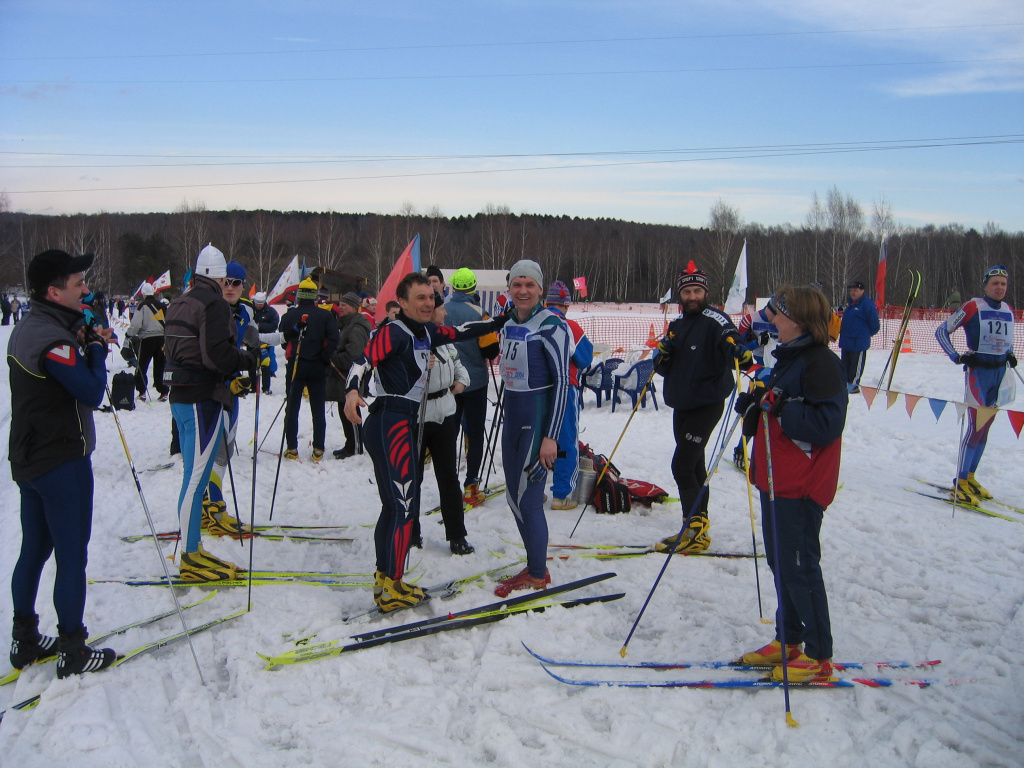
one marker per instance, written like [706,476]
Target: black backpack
[122,391]
[611,495]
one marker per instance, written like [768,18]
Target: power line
[513,75]
[263,160]
[515,43]
[482,171]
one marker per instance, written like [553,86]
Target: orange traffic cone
[652,342]
[906,343]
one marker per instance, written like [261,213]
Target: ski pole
[686,523]
[156,539]
[604,469]
[273,422]
[1014,369]
[284,428]
[781,622]
[252,498]
[492,437]
[750,504]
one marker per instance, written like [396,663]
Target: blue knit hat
[996,270]
[235,271]
[558,294]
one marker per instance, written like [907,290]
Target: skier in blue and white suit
[988,324]
[535,371]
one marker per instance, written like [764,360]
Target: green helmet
[463,280]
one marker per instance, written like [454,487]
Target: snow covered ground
[906,581]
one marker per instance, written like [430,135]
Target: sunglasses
[997,272]
[233,283]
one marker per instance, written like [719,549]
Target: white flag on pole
[289,281]
[738,290]
[666,298]
[162,283]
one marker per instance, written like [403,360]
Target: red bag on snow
[611,495]
[643,492]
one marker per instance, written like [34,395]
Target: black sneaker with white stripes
[76,657]
[27,645]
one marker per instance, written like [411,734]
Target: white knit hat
[211,263]
[147,289]
[526,268]
[259,297]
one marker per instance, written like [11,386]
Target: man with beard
[696,358]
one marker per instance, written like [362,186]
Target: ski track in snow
[905,581]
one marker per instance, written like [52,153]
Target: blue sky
[648,111]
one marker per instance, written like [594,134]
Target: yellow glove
[241,385]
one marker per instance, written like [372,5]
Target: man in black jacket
[696,358]
[203,361]
[267,321]
[354,330]
[311,336]
[58,378]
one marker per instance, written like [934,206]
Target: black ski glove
[967,360]
[1012,360]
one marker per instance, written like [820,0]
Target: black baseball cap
[857,284]
[50,266]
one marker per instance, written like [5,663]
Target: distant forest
[623,261]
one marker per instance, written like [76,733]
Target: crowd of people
[421,378]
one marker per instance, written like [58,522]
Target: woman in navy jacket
[805,400]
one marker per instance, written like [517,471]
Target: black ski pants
[692,429]
[441,440]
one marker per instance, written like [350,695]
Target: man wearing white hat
[148,327]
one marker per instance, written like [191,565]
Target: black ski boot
[739,458]
[27,645]
[461,547]
[76,657]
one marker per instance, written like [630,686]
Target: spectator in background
[581,355]
[5,308]
[391,310]
[146,334]
[266,319]
[860,323]
[354,332]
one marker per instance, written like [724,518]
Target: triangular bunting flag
[937,406]
[912,401]
[961,409]
[869,395]
[891,397]
[985,415]
[1017,420]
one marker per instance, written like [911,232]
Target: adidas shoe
[472,495]
[291,453]
[769,654]
[567,503]
[803,670]
[979,490]
[27,645]
[163,398]
[395,595]
[318,453]
[963,493]
[522,580]
[76,657]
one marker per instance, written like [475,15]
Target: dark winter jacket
[319,338]
[200,344]
[355,332]
[267,319]
[475,353]
[860,323]
[806,423]
[698,367]
[50,423]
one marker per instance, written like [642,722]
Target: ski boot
[472,496]
[292,453]
[76,657]
[461,547]
[200,566]
[218,522]
[803,670]
[963,493]
[395,595]
[522,580]
[694,539]
[979,490]
[318,453]
[770,654]
[27,645]
[739,458]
